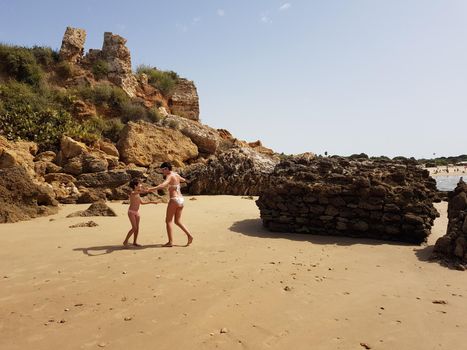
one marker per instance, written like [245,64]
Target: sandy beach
[448,171]
[237,287]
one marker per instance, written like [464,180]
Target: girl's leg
[135,237]
[169,217]
[132,230]
[178,222]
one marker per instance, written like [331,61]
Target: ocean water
[447,183]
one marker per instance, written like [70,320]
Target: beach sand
[449,171]
[77,289]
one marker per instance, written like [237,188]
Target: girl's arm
[150,202]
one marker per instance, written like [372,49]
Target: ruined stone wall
[184,100]
[453,246]
[360,198]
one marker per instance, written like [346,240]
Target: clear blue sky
[384,77]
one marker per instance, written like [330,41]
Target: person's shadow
[107,249]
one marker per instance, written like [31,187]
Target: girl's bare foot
[190,240]
[136,244]
[168,244]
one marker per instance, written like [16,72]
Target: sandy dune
[77,289]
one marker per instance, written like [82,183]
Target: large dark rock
[452,247]
[241,171]
[352,197]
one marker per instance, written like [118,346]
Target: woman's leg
[132,230]
[178,222]
[169,217]
[135,236]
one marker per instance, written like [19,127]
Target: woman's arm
[162,185]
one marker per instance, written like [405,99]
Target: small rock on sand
[84,224]
[224,330]
[442,302]
[365,345]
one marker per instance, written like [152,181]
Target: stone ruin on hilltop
[359,198]
[183,100]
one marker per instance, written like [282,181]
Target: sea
[447,183]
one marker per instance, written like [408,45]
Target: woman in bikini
[175,205]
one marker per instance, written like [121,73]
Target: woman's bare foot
[190,240]
[136,244]
[168,245]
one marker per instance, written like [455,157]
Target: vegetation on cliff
[38,103]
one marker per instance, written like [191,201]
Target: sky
[383,77]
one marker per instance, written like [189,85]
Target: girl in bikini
[175,205]
[133,210]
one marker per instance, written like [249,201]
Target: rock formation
[95,209]
[184,100]
[204,137]
[144,143]
[23,194]
[72,48]
[360,198]
[241,171]
[452,247]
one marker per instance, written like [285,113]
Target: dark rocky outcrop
[339,196]
[452,248]
[241,171]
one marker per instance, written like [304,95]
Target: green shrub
[20,64]
[16,96]
[112,129]
[154,116]
[103,95]
[132,111]
[359,156]
[164,81]
[44,127]
[173,124]
[100,69]
[45,56]
[65,70]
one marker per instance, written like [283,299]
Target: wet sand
[237,287]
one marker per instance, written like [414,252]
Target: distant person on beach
[133,210]
[175,206]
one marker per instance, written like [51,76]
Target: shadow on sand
[254,228]
[107,249]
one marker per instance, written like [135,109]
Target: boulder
[104,179]
[144,143]
[22,197]
[108,148]
[96,209]
[204,137]
[70,148]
